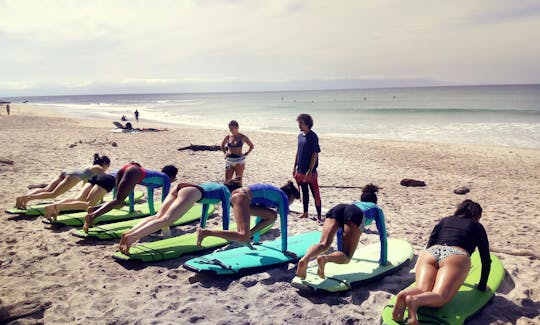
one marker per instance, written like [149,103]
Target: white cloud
[168,42]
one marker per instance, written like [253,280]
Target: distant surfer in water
[65,181]
[444,265]
[177,204]
[350,220]
[255,200]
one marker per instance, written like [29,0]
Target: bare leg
[185,199]
[351,235]
[171,197]
[239,171]
[125,185]
[451,275]
[267,216]
[229,171]
[426,272]
[240,201]
[330,227]
[63,186]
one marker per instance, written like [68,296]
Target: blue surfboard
[243,260]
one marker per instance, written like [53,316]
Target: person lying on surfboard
[349,219]
[256,200]
[442,268]
[178,202]
[126,179]
[92,194]
[65,181]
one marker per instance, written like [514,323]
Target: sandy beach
[49,276]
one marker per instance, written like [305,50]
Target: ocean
[506,115]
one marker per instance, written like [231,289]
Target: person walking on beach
[347,221]
[137,116]
[232,146]
[442,268]
[65,181]
[8,109]
[306,162]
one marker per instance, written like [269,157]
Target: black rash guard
[467,234]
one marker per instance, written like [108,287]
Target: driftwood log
[200,147]
[412,182]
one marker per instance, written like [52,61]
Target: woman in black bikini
[232,146]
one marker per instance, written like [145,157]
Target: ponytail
[368,193]
[102,161]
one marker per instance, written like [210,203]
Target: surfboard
[243,260]
[465,304]
[176,246]
[116,229]
[77,218]
[363,267]
[39,209]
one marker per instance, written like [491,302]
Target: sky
[96,47]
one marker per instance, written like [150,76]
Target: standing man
[7,109]
[137,115]
[306,162]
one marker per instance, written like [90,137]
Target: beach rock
[462,190]
[114,144]
[412,182]
[200,147]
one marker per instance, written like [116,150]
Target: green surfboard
[363,267]
[243,260]
[175,247]
[115,230]
[77,218]
[39,209]
[465,304]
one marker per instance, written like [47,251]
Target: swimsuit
[184,185]
[440,252]
[344,213]
[232,160]
[238,144]
[142,170]
[108,182]
[83,174]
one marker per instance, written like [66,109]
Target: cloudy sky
[92,47]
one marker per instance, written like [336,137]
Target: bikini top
[235,144]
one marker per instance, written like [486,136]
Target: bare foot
[399,308]
[51,211]
[88,222]
[413,319]
[321,260]
[200,236]
[92,209]
[301,269]
[304,215]
[20,203]
[125,243]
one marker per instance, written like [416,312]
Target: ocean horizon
[502,115]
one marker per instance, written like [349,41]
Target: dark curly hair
[368,193]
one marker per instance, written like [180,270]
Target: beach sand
[49,276]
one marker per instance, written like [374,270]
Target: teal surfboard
[465,304]
[77,218]
[363,267]
[116,229]
[39,209]
[175,247]
[243,260]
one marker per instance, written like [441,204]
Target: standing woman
[442,268]
[232,146]
[65,181]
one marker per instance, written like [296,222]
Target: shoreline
[77,281]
